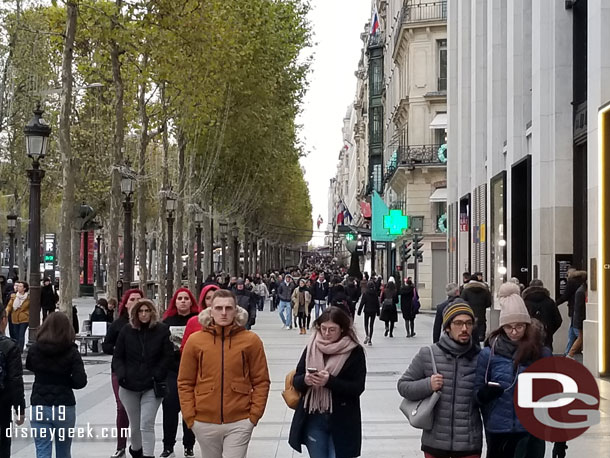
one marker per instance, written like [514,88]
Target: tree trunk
[141,194]
[179,230]
[162,232]
[65,147]
[118,141]
[75,246]
[207,247]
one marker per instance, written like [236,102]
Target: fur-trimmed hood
[134,319]
[206,321]
[531,290]
[474,284]
[578,274]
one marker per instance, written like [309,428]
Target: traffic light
[49,257]
[360,245]
[405,251]
[349,236]
[418,252]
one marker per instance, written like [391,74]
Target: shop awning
[440,195]
[439,121]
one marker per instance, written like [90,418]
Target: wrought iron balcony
[420,12]
[377,40]
[412,156]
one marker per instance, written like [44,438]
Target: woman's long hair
[529,348]
[173,310]
[389,292]
[56,330]
[338,316]
[129,292]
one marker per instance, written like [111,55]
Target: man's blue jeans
[51,421]
[285,311]
[318,439]
[320,307]
[572,336]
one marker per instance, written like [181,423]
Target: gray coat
[457,421]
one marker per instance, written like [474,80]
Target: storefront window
[498,231]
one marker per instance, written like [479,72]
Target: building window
[376,125]
[442,65]
[376,77]
[498,230]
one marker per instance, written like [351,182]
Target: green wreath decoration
[442,223]
[442,153]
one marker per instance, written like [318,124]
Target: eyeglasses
[144,311]
[516,328]
[460,324]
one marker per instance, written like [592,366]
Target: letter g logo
[557,399]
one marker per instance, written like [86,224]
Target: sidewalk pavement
[386,433]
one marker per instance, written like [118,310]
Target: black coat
[406,302]
[370,303]
[48,298]
[142,356]
[179,322]
[478,296]
[540,306]
[12,393]
[569,293]
[437,327]
[58,371]
[345,420]
[389,312]
[98,314]
[113,334]
[580,307]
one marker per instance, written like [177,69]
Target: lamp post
[222,228]
[11,222]
[128,182]
[198,221]
[170,205]
[235,240]
[37,133]
[100,282]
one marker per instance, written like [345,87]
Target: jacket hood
[134,320]
[532,290]
[578,275]
[206,321]
[203,293]
[473,284]
[50,348]
[173,310]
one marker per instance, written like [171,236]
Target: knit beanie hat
[454,309]
[512,307]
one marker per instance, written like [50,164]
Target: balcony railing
[376,40]
[420,12]
[412,156]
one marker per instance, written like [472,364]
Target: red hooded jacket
[193,324]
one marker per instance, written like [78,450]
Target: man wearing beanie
[509,350]
[457,429]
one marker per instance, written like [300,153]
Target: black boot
[136,453]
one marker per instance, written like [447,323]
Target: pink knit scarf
[318,398]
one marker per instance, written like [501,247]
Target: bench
[84,341]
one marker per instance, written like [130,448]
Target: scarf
[318,398]
[19,300]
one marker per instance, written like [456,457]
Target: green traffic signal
[349,236]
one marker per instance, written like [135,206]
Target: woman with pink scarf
[330,375]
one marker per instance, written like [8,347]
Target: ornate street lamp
[198,221]
[128,183]
[11,222]
[223,229]
[37,133]
[170,205]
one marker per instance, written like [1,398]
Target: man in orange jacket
[223,380]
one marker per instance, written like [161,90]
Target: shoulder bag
[421,413]
[290,394]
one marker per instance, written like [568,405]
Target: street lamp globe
[198,215]
[37,133]
[170,200]
[128,181]
[11,221]
[222,228]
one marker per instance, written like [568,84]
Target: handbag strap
[433,361]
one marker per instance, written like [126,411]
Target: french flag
[375,21]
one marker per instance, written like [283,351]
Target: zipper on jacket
[222,376]
[455,377]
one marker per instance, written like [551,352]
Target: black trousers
[302,320]
[369,324]
[171,410]
[5,422]
[389,325]
[509,445]
[410,326]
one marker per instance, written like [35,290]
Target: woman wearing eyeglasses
[141,359]
[508,351]
[330,375]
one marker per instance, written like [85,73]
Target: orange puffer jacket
[223,375]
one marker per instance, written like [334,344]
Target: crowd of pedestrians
[200,360]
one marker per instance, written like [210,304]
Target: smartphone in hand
[312,370]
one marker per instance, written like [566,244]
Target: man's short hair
[224,294]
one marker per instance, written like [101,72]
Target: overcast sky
[336,25]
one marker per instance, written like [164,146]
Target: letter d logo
[526,390]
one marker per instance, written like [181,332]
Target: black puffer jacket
[540,306]
[142,355]
[575,279]
[370,303]
[113,334]
[477,294]
[58,371]
[406,302]
[12,392]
